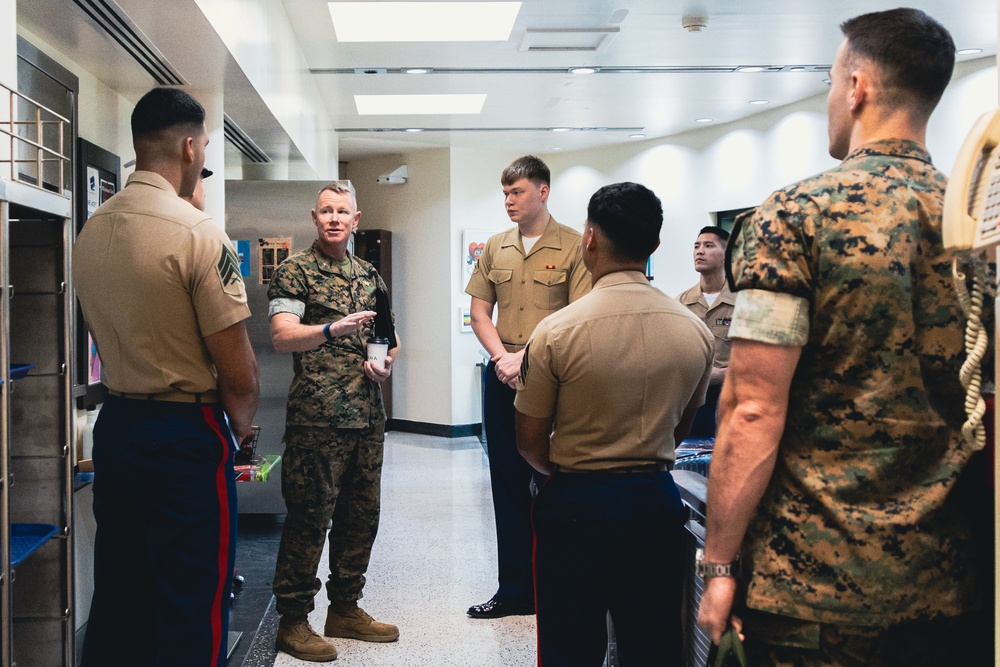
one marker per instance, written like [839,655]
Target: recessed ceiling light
[372,105]
[750,69]
[582,70]
[416,70]
[557,148]
[796,69]
[758,102]
[637,135]
[968,52]
[423,21]
[414,129]
[827,81]
[703,120]
[559,129]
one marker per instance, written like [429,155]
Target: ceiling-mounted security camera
[395,177]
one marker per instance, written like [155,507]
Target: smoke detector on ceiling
[694,23]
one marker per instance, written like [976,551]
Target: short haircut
[915,55]
[164,108]
[630,216]
[718,231]
[343,187]
[529,167]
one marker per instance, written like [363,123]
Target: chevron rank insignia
[229,272]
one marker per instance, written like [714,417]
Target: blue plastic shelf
[25,538]
[18,371]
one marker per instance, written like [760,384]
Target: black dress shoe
[498,609]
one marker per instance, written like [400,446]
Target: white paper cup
[377,349]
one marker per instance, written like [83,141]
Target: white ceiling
[527,91]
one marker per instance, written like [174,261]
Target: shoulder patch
[229,272]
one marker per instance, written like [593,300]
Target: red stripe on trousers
[223,494]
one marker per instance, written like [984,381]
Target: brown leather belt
[646,467]
[173,396]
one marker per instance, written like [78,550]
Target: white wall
[417,214]
[740,164]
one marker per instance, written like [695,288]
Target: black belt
[174,396]
[646,467]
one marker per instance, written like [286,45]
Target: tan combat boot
[298,639]
[346,619]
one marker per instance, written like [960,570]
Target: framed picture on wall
[473,243]
[99,175]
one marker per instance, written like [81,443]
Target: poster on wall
[243,255]
[270,253]
[464,320]
[473,243]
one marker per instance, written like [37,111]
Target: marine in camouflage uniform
[333,434]
[839,450]
[859,525]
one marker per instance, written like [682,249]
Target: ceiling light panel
[394,105]
[423,21]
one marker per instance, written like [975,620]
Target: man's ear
[187,150]
[543,190]
[859,90]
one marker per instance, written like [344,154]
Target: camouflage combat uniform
[859,525]
[332,466]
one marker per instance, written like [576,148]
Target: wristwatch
[707,570]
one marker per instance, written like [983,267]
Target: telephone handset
[972,200]
[971,224]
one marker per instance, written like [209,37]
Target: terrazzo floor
[435,555]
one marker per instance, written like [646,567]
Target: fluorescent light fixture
[796,69]
[758,102]
[423,21]
[416,70]
[637,136]
[968,52]
[559,129]
[393,105]
[582,70]
[414,129]
[750,69]
[703,120]
[827,81]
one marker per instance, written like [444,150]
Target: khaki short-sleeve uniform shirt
[616,370]
[155,276]
[717,317]
[527,288]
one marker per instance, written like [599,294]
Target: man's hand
[376,374]
[351,323]
[715,613]
[508,367]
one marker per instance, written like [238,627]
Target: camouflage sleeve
[287,291]
[537,385]
[770,317]
[772,247]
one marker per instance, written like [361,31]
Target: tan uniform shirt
[155,276]
[718,318]
[527,288]
[616,370]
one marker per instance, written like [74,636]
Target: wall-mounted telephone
[970,223]
[972,201]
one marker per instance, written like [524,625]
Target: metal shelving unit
[36,323]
